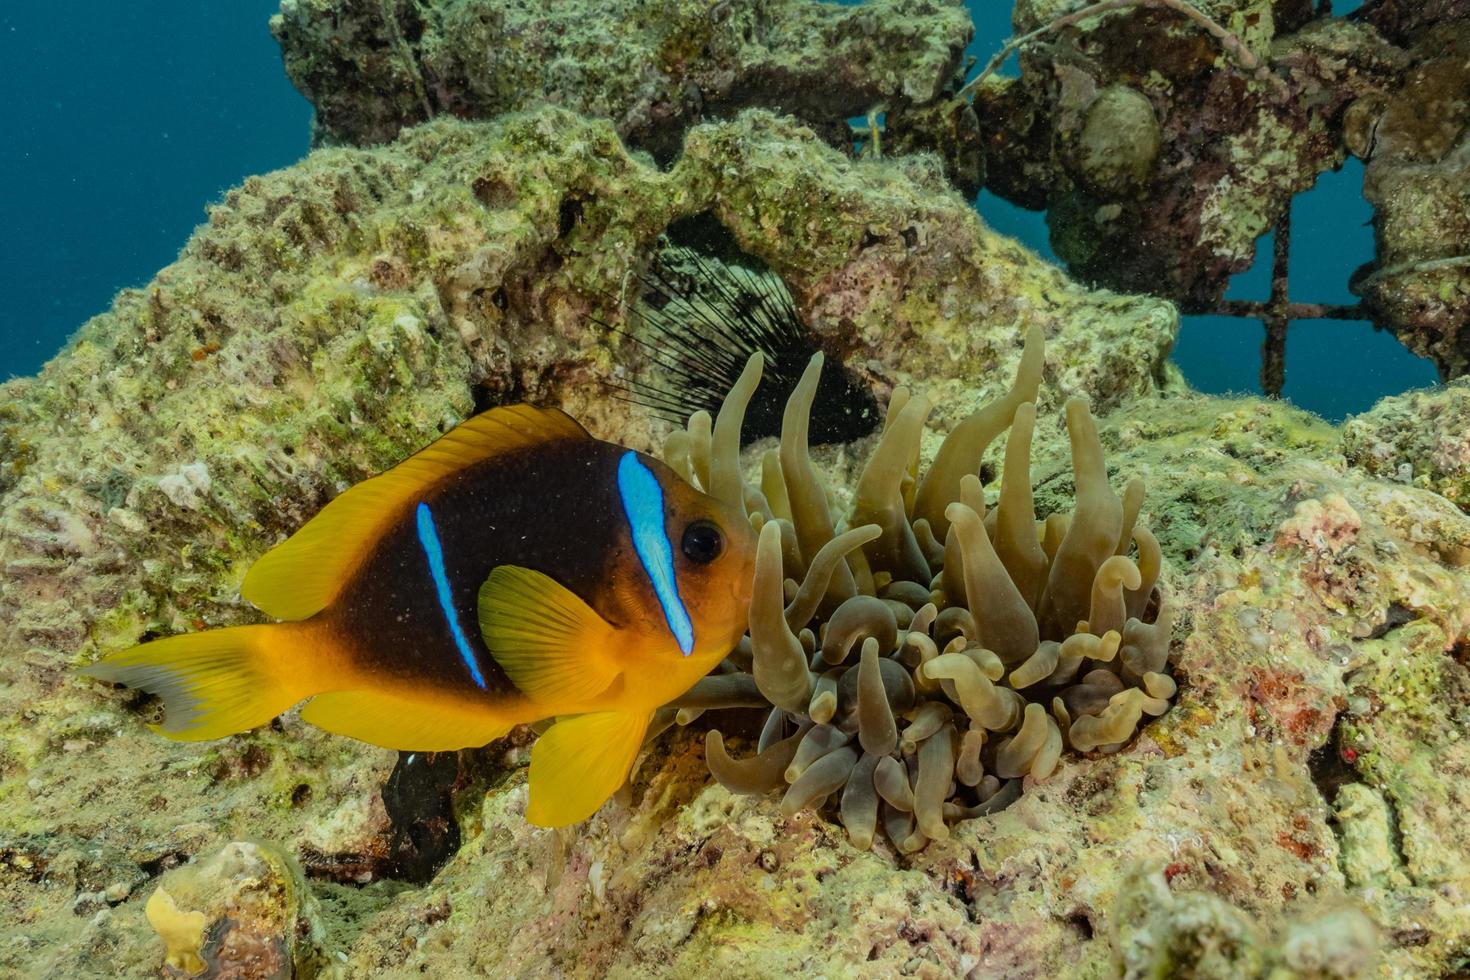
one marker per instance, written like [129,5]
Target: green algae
[1420,438]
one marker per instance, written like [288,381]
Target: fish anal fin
[300,576]
[580,762]
[411,721]
[554,647]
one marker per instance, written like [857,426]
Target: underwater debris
[699,319]
[925,654]
[1414,138]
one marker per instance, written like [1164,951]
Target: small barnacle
[925,656]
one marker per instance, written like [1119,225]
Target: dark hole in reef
[706,306]
[569,215]
[1395,616]
[1082,922]
[167,861]
[418,797]
[483,397]
[148,707]
[1329,764]
[493,192]
[1414,936]
[704,233]
[410,25]
[300,795]
[487,394]
[1459,651]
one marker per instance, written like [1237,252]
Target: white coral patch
[187,485]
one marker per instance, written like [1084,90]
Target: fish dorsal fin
[554,647]
[580,762]
[302,575]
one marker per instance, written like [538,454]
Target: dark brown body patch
[553,508]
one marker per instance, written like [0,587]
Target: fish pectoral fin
[424,721]
[580,762]
[554,647]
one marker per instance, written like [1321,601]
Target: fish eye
[702,542]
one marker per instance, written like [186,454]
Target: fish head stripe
[643,503]
[434,553]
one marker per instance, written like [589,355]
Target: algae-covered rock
[1119,141]
[372,68]
[1162,933]
[242,912]
[1422,438]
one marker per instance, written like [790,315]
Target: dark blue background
[124,120]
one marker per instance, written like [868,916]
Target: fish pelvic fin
[218,682]
[410,721]
[580,762]
[300,577]
[554,647]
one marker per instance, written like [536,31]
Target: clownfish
[515,570]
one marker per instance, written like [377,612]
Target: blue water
[122,121]
[125,120]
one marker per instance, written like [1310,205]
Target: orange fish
[516,569]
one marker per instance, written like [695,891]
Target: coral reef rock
[372,67]
[1422,438]
[327,320]
[241,912]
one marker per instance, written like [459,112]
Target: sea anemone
[924,656]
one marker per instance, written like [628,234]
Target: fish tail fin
[218,682]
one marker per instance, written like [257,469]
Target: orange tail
[218,682]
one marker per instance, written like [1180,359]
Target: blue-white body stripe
[643,502]
[434,551]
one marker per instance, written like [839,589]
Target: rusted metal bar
[1276,317]
[1257,309]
